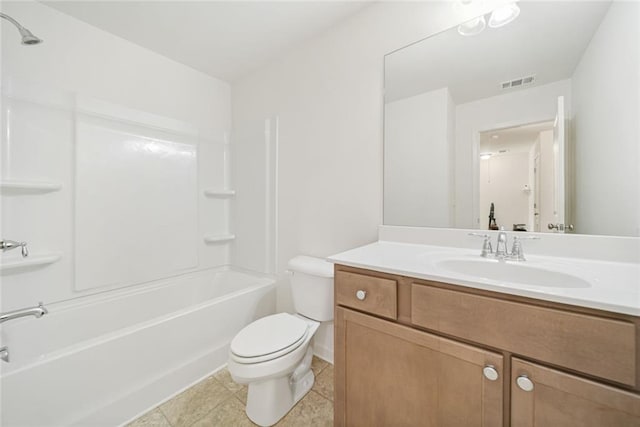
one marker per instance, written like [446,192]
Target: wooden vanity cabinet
[414,353]
[393,375]
[543,396]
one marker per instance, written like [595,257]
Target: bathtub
[103,360]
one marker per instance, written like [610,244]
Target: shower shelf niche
[11,187]
[220,193]
[220,238]
[32,261]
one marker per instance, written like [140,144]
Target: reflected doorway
[518,173]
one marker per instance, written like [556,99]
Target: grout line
[215,408]
[234,394]
[164,416]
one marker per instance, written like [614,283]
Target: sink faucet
[502,253]
[486,244]
[501,245]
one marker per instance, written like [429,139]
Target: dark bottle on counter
[492,219]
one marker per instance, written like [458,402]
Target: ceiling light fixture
[504,15]
[485,156]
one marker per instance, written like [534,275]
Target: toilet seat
[269,338]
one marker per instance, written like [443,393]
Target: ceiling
[514,139]
[547,40]
[225,39]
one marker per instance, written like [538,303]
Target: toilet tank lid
[311,265]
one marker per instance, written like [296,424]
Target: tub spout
[7,245]
[37,311]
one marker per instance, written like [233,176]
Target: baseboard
[323,353]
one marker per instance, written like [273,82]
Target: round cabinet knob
[524,383]
[361,295]
[490,373]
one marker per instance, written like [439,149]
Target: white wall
[526,106]
[416,179]
[606,109]
[82,62]
[328,97]
[502,178]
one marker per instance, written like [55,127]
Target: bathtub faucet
[7,245]
[37,311]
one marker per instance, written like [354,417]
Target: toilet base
[268,401]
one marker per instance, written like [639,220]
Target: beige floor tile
[219,401]
[242,394]
[313,410]
[195,402]
[317,365]
[229,413]
[154,418]
[225,379]
[324,383]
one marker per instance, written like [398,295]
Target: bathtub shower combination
[118,286]
[131,351]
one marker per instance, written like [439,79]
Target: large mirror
[532,125]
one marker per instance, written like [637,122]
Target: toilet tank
[312,287]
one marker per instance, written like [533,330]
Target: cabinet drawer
[594,345]
[379,295]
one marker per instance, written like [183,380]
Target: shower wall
[129,151]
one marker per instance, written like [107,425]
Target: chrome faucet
[37,311]
[501,244]
[7,245]
[486,244]
[502,253]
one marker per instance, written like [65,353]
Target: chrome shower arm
[10,19]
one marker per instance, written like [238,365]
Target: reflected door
[559,137]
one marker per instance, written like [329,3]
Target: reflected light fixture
[472,27]
[504,15]
[499,17]
[485,156]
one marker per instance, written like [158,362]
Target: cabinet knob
[524,383]
[361,295]
[490,373]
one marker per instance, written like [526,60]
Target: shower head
[27,36]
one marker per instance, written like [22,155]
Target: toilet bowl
[273,354]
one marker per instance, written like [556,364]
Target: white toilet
[273,354]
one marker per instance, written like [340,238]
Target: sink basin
[511,273]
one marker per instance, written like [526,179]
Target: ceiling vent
[522,81]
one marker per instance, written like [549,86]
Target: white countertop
[612,286]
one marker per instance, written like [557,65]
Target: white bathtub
[103,360]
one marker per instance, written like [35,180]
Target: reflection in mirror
[537,118]
[511,159]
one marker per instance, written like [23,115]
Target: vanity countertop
[604,285]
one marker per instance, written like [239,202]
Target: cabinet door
[392,375]
[545,397]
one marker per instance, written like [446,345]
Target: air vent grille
[521,81]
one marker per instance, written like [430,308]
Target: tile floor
[218,401]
